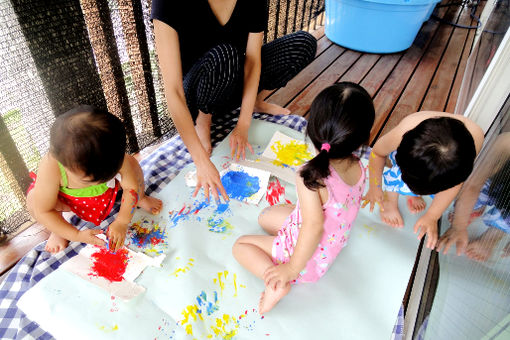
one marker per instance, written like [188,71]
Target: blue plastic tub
[376,26]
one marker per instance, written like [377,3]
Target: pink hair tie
[325,146]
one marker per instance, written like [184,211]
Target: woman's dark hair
[91,140]
[436,155]
[342,116]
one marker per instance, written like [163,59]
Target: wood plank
[322,44]
[414,92]
[13,250]
[361,68]
[437,94]
[374,80]
[284,95]
[301,104]
[459,75]
[395,84]
[358,71]
[317,33]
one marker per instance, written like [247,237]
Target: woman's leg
[282,60]
[209,86]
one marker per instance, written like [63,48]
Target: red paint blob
[111,266]
[274,193]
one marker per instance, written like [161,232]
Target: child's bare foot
[272,109]
[203,129]
[270,297]
[391,215]
[481,248]
[416,204]
[56,243]
[479,251]
[151,204]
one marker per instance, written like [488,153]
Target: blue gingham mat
[159,168]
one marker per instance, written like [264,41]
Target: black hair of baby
[91,140]
[342,116]
[436,155]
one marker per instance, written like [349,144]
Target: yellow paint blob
[293,153]
[182,270]
[109,329]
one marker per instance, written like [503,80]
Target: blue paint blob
[210,307]
[222,207]
[239,185]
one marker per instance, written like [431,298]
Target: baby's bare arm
[132,187]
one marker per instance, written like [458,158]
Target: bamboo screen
[57,54]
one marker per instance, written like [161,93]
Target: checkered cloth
[159,168]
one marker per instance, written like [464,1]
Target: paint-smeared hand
[374,196]
[116,235]
[427,225]
[239,142]
[278,276]
[456,236]
[208,178]
[89,236]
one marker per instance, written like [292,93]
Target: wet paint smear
[111,266]
[239,185]
[275,192]
[186,211]
[290,154]
[205,314]
[184,269]
[149,236]
[219,225]
[209,306]
[109,329]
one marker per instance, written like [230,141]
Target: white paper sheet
[261,176]
[83,263]
[203,289]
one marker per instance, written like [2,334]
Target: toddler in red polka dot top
[79,174]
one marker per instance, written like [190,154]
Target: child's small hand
[459,237]
[89,236]
[427,225]
[116,235]
[278,276]
[374,196]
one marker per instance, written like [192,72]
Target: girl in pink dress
[305,239]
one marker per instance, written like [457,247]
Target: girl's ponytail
[340,120]
[316,169]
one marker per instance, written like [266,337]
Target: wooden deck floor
[427,76]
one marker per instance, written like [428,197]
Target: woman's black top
[199,30]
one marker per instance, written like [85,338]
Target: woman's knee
[306,44]
[223,59]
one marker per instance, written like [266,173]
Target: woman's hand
[278,276]
[208,178]
[239,141]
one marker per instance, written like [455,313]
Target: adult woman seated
[212,60]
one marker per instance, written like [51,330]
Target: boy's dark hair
[436,155]
[91,140]
[342,116]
